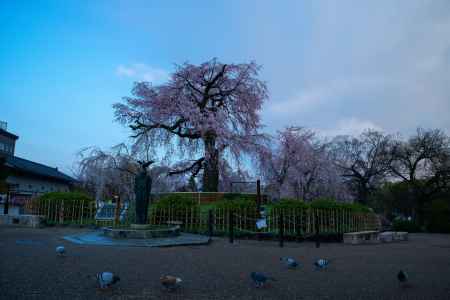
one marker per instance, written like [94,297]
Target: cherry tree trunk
[211,166]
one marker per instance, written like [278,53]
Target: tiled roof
[32,167]
[8,134]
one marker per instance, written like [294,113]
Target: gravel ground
[29,269]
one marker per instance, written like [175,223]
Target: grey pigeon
[170,282]
[290,262]
[106,279]
[402,277]
[60,250]
[321,263]
[260,279]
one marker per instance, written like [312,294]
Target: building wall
[7,144]
[36,186]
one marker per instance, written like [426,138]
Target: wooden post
[231,226]
[210,223]
[117,211]
[6,205]
[82,211]
[258,195]
[298,217]
[90,211]
[316,219]
[281,228]
[61,212]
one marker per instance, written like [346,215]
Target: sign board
[261,223]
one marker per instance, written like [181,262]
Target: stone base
[140,226]
[97,238]
[362,237]
[146,233]
[34,221]
[390,236]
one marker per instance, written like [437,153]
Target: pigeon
[402,277]
[60,250]
[321,263]
[106,279]
[170,282]
[290,262]
[260,279]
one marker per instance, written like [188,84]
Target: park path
[29,269]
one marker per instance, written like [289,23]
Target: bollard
[281,229]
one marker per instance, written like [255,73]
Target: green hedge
[405,225]
[238,204]
[75,204]
[438,216]
[176,201]
[65,196]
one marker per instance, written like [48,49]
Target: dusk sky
[337,67]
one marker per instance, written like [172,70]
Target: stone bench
[390,236]
[361,237]
[22,220]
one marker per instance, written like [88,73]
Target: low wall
[21,220]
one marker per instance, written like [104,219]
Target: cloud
[384,61]
[349,126]
[142,72]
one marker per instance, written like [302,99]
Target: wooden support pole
[210,223]
[316,219]
[258,195]
[281,228]
[298,217]
[61,212]
[6,205]
[117,212]
[231,226]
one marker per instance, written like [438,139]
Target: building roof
[28,166]
[8,134]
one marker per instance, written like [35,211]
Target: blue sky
[334,66]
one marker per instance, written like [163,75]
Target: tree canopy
[203,109]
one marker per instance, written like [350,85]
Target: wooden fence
[304,222]
[62,212]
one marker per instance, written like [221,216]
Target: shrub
[175,207]
[65,196]
[325,203]
[50,205]
[438,216]
[405,225]
[176,202]
[237,204]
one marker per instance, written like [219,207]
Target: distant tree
[363,161]
[108,173]
[280,156]
[228,176]
[314,174]
[423,162]
[203,109]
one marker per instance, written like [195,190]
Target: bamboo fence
[299,222]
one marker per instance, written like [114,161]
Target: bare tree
[423,161]
[364,161]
